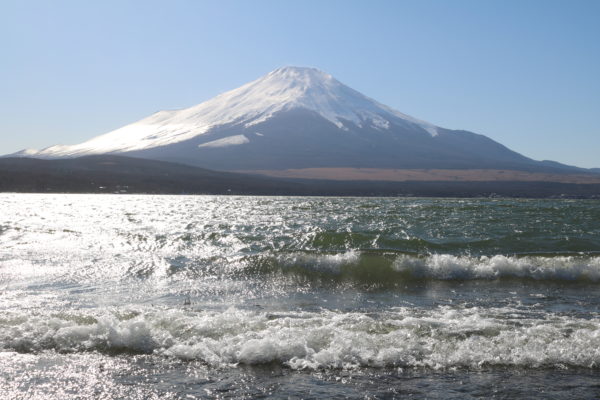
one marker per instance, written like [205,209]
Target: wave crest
[404,337]
[385,269]
[445,266]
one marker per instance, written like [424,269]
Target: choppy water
[106,296]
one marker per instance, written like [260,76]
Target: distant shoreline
[428,175]
[125,175]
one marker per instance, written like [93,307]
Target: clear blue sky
[525,73]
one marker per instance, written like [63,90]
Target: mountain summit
[294,118]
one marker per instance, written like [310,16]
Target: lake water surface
[141,297]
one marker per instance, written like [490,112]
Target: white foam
[446,266]
[405,337]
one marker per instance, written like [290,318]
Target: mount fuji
[299,118]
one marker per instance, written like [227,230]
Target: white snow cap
[315,90]
[282,89]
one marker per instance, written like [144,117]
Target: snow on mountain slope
[284,89]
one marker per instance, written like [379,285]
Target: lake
[142,297]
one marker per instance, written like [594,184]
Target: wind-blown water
[119,296]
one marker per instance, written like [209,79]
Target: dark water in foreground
[142,297]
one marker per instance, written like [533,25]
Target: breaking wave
[444,266]
[390,268]
[441,338]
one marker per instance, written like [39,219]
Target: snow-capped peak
[283,89]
